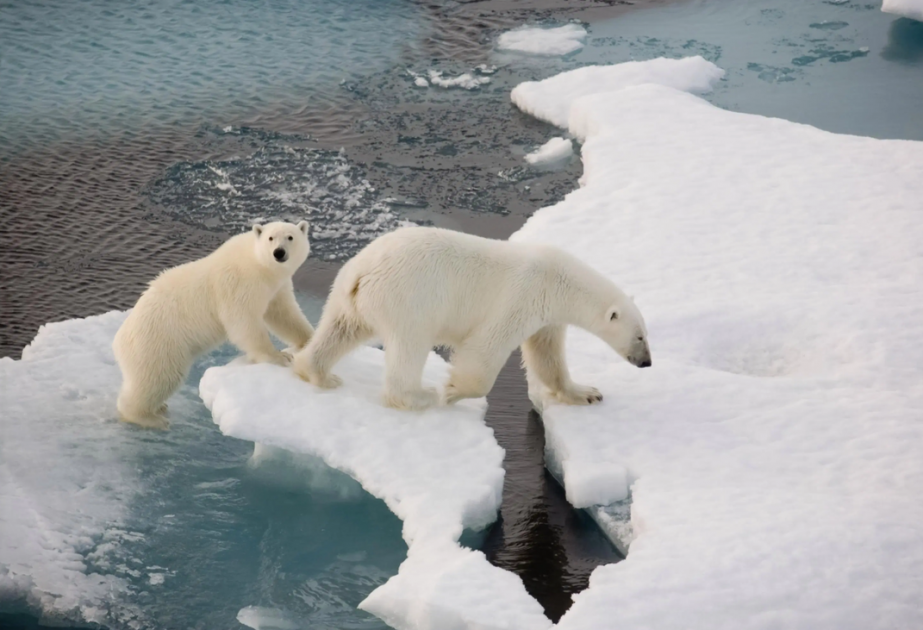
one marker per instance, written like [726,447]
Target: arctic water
[185,103]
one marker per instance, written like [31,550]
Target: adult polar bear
[420,287]
[231,294]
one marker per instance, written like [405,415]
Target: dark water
[110,172]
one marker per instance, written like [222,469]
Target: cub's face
[281,245]
[622,327]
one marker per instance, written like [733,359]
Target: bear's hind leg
[335,336]
[404,361]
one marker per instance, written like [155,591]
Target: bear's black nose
[279,254]
[645,363]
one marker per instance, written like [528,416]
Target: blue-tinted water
[842,66]
[73,68]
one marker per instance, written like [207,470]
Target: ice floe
[64,485]
[773,451]
[440,471]
[912,9]
[535,40]
[554,151]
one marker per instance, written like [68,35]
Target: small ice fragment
[421,82]
[261,618]
[535,40]
[155,579]
[466,81]
[555,150]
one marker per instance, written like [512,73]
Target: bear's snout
[279,254]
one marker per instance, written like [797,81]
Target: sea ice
[63,496]
[912,9]
[773,450]
[553,151]
[440,471]
[535,40]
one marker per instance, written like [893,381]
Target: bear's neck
[582,294]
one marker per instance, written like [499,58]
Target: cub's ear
[612,314]
[303,226]
[257,229]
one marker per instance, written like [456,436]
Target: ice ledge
[439,471]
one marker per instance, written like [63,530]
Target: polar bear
[233,294]
[421,287]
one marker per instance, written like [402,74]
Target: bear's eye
[614,316]
[291,238]
[270,238]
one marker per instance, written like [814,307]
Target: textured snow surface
[535,40]
[440,471]
[63,496]
[773,450]
[555,150]
[907,8]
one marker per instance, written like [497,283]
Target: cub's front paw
[579,395]
[417,400]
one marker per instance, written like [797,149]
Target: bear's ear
[257,229]
[303,226]
[612,314]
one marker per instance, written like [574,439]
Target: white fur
[417,288]
[232,294]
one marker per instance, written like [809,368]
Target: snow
[535,40]
[773,450]
[555,150]
[550,100]
[912,9]
[63,498]
[439,471]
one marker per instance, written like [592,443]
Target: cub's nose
[644,363]
[279,254]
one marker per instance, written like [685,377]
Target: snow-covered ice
[63,497]
[553,151]
[440,471]
[535,40]
[773,452]
[912,9]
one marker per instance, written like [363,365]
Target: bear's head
[622,327]
[282,246]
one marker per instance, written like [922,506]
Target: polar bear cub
[420,287]
[233,294]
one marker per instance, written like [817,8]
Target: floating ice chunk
[262,618]
[550,100]
[467,81]
[553,151]
[440,471]
[66,472]
[774,448]
[536,40]
[912,9]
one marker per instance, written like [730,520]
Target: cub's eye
[291,238]
[270,238]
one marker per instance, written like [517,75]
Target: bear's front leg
[286,320]
[248,333]
[543,358]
